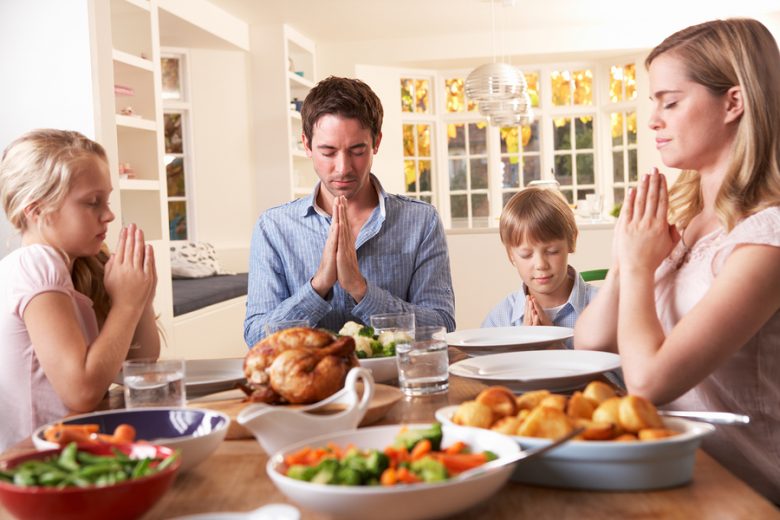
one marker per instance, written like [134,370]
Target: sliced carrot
[459,462]
[299,457]
[52,433]
[124,433]
[68,436]
[457,447]
[421,449]
[405,476]
[389,477]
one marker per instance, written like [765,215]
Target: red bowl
[122,501]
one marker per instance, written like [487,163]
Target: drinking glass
[398,326]
[275,326]
[154,383]
[595,205]
[423,362]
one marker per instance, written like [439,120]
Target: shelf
[132,60]
[136,122]
[138,184]
[303,82]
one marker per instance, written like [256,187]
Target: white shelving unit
[299,54]
[138,132]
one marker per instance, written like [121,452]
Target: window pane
[477,138]
[530,135]
[632,166]
[569,195]
[424,140]
[410,175]
[561,87]
[511,172]
[619,195]
[532,169]
[174,171]
[455,98]
[177,220]
[506,196]
[425,175]
[583,87]
[426,198]
[456,139]
[617,167]
[171,80]
[563,172]
[629,79]
[407,95]
[631,127]
[615,83]
[173,139]
[585,168]
[616,125]
[408,133]
[459,210]
[457,174]
[479,174]
[510,139]
[480,210]
[532,79]
[562,133]
[422,96]
[583,127]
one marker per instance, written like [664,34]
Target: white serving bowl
[610,465]
[196,432]
[412,501]
[383,369]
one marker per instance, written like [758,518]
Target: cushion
[194,260]
[193,294]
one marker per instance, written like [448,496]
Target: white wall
[46,71]
[224,184]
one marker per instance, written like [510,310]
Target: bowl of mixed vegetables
[375,352]
[409,472]
[86,482]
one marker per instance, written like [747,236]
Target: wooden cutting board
[231,402]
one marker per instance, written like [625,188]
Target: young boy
[538,230]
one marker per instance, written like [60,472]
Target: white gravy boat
[275,427]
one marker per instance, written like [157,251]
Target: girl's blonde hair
[37,170]
[719,55]
[537,215]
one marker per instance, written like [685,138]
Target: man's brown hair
[344,97]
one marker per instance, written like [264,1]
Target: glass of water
[154,383]
[275,326]
[595,205]
[423,362]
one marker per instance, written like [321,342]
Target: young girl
[68,312]
[538,229]
[695,317]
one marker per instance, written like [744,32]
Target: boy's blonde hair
[719,55]
[37,170]
[537,215]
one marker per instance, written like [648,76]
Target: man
[349,250]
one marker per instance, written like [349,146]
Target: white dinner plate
[495,340]
[554,370]
[206,376]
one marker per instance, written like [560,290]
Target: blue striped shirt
[401,250]
[511,311]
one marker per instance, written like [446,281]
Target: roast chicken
[298,366]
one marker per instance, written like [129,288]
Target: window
[481,167]
[178,154]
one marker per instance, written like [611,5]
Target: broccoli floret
[360,354]
[366,331]
[429,469]
[409,438]
[376,348]
[301,472]
[347,476]
[389,350]
[489,455]
[325,472]
[376,463]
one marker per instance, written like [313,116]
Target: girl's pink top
[749,381]
[27,399]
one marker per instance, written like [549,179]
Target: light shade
[494,81]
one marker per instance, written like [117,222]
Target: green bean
[141,468]
[68,457]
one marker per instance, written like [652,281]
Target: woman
[692,306]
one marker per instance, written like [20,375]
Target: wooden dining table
[234,479]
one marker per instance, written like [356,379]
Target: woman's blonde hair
[719,55]
[537,215]
[37,170]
